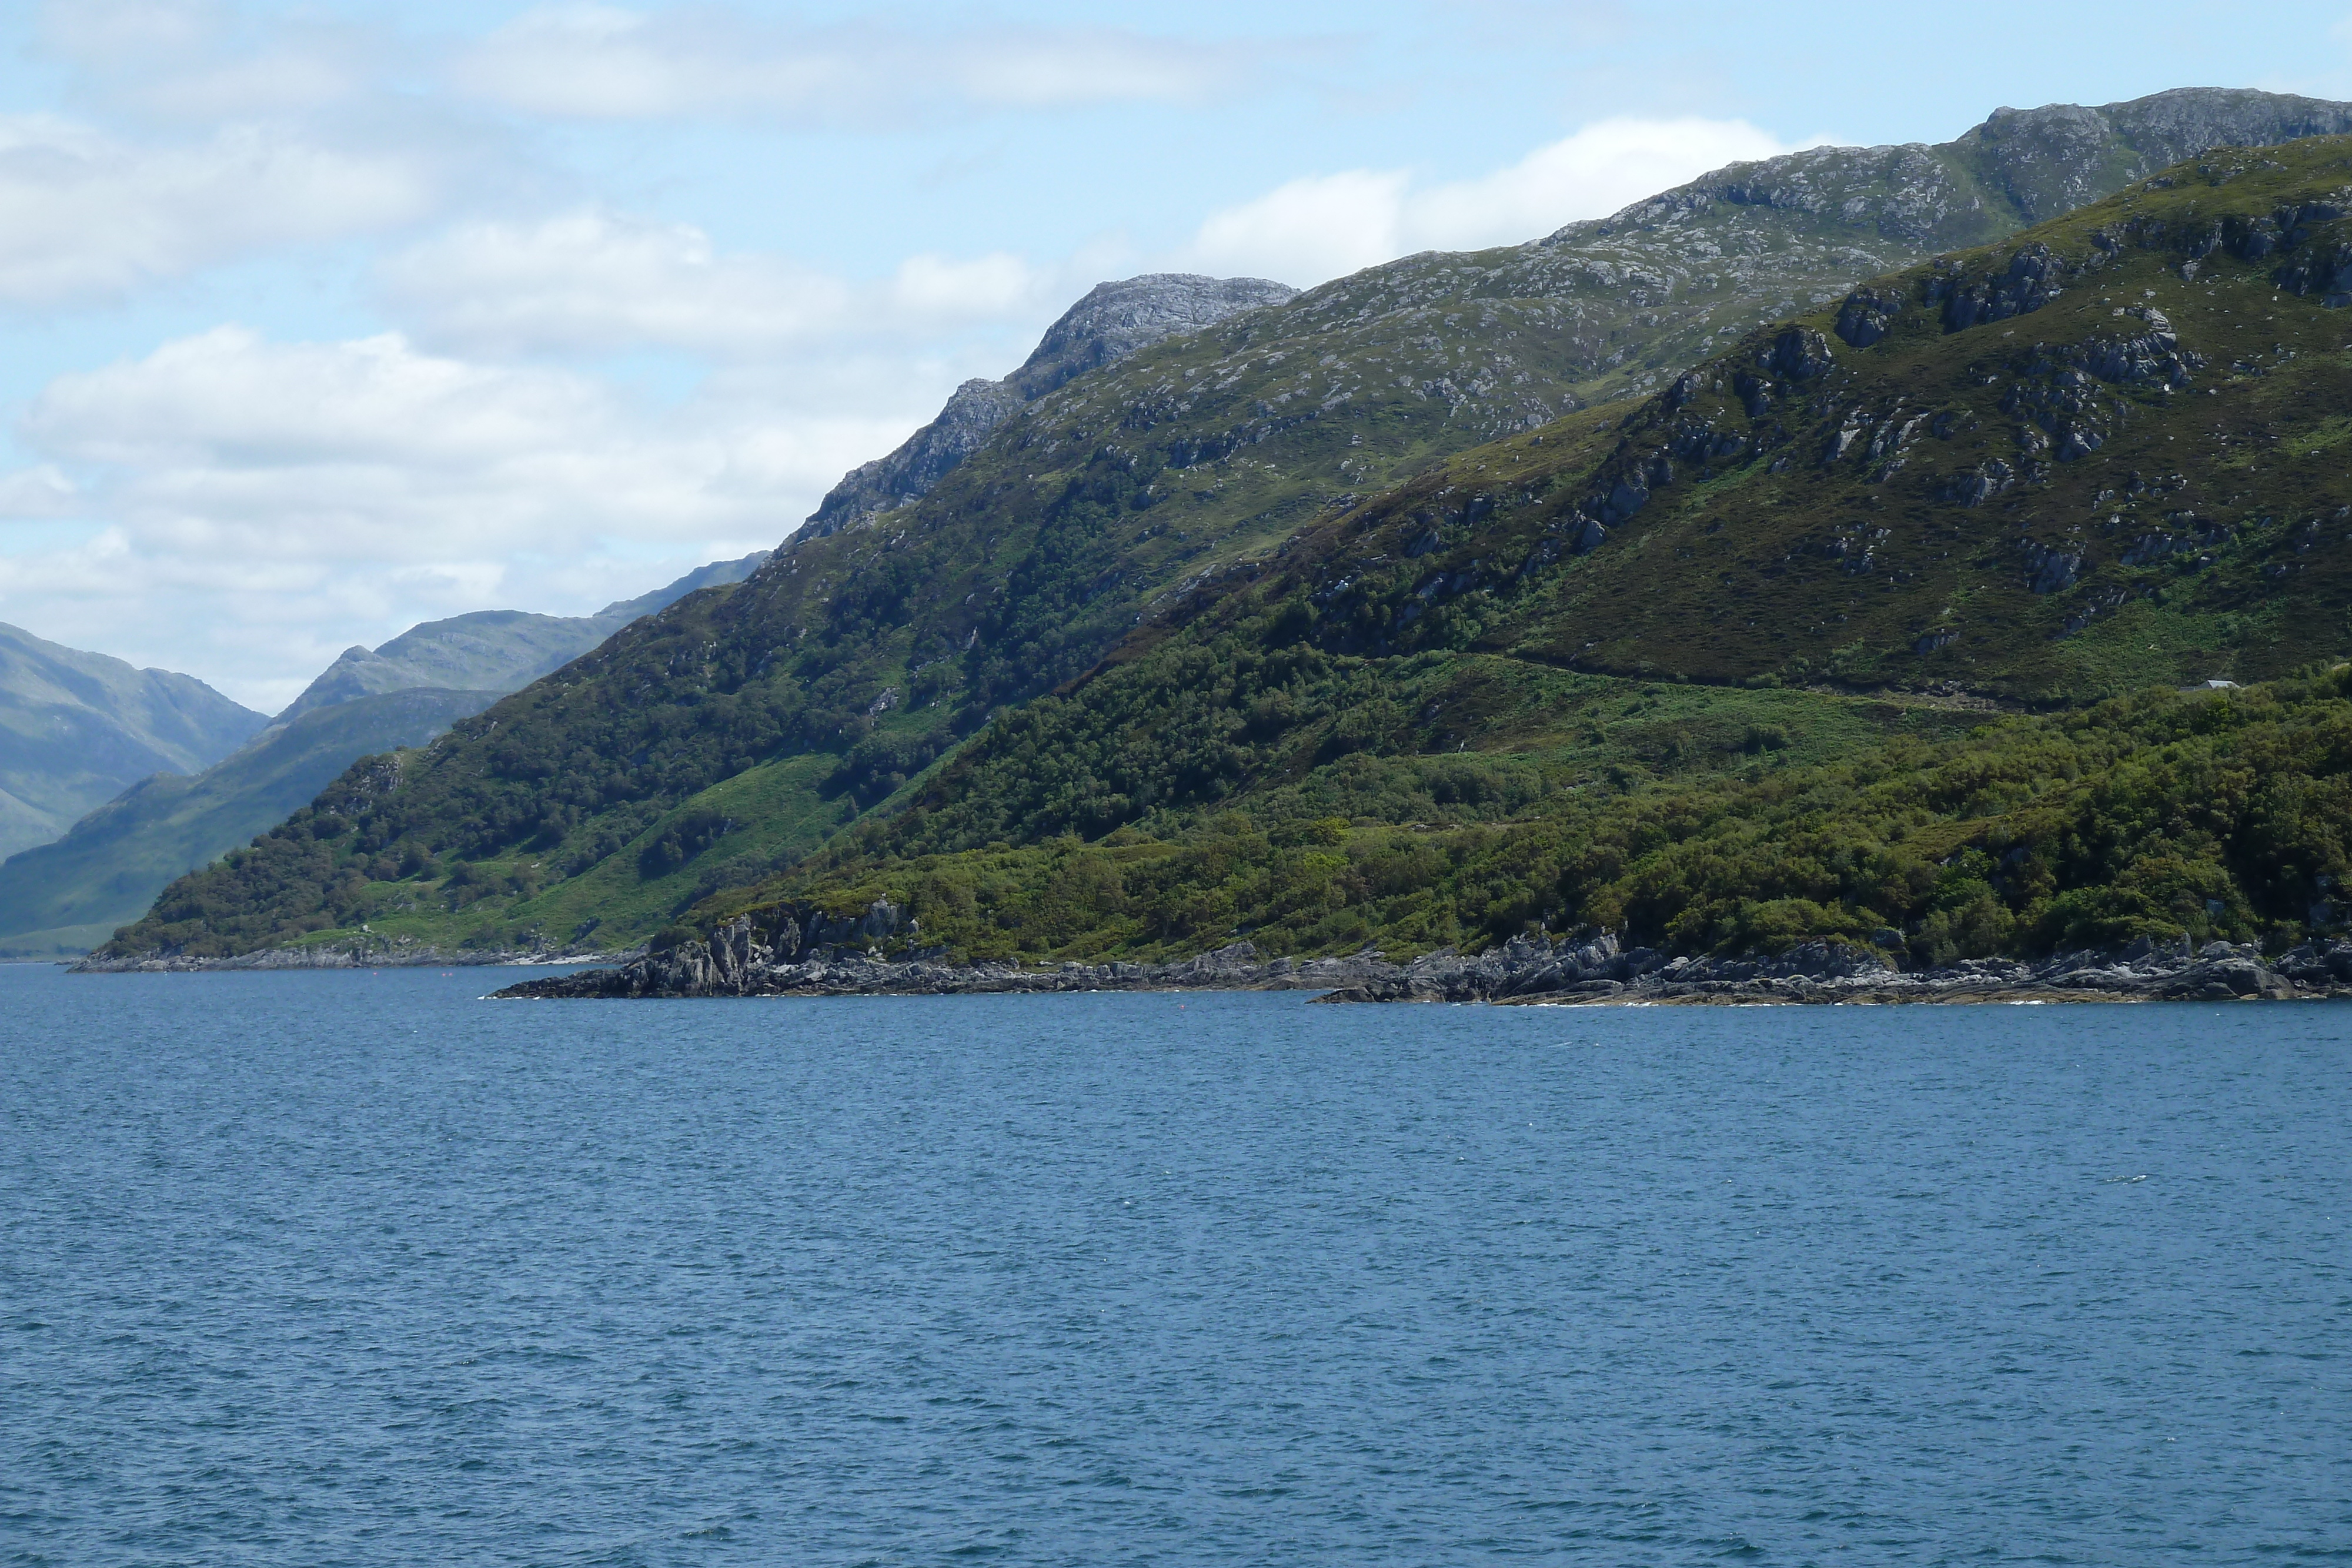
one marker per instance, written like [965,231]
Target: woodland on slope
[733,734]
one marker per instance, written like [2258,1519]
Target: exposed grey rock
[1113,321]
[1800,354]
[806,953]
[2037,163]
[1866,315]
[363,952]
[2052,570]
[1532,970]
[810,954]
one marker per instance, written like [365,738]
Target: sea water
[353,1269]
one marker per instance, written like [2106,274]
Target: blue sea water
[341,1268]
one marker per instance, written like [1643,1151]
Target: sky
[322,319]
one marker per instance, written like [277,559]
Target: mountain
[76,728]
[68,895]
[1714,672]
[494,651]
[1113,321]
[727,738]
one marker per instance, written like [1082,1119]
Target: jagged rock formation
[802,951]
[1111,322]
[845,956]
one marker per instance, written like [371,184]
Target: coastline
[1524,971]
[390,956]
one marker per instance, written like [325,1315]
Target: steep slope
[76,727]
[1111,322]
[69,895]
[2107,457]
[720,741]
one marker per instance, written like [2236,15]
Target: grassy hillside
[2110,456]
[1193,467]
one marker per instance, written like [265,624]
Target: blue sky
[326,318]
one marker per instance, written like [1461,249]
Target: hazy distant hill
[68,895]
[76,728]
[494,651]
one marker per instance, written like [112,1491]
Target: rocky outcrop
[1531,970]
[353,953]
[2021,167]
[736,963]
[1111,322]
[806,953]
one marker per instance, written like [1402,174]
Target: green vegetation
[68,896]
[1984,476]
[2159,814]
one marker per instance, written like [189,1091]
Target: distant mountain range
[493,650]
[200,792]
[75,728]
[729,737]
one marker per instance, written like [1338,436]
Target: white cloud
[110,31]
[267,504]
[592,281]
[84,215]
[39,492]
[1602,168]
[601,62]
[1324,226]
[191,61]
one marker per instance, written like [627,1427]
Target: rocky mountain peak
[2021,166]
[1113,321]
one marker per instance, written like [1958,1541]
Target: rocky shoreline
[354,956]
[738,962]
